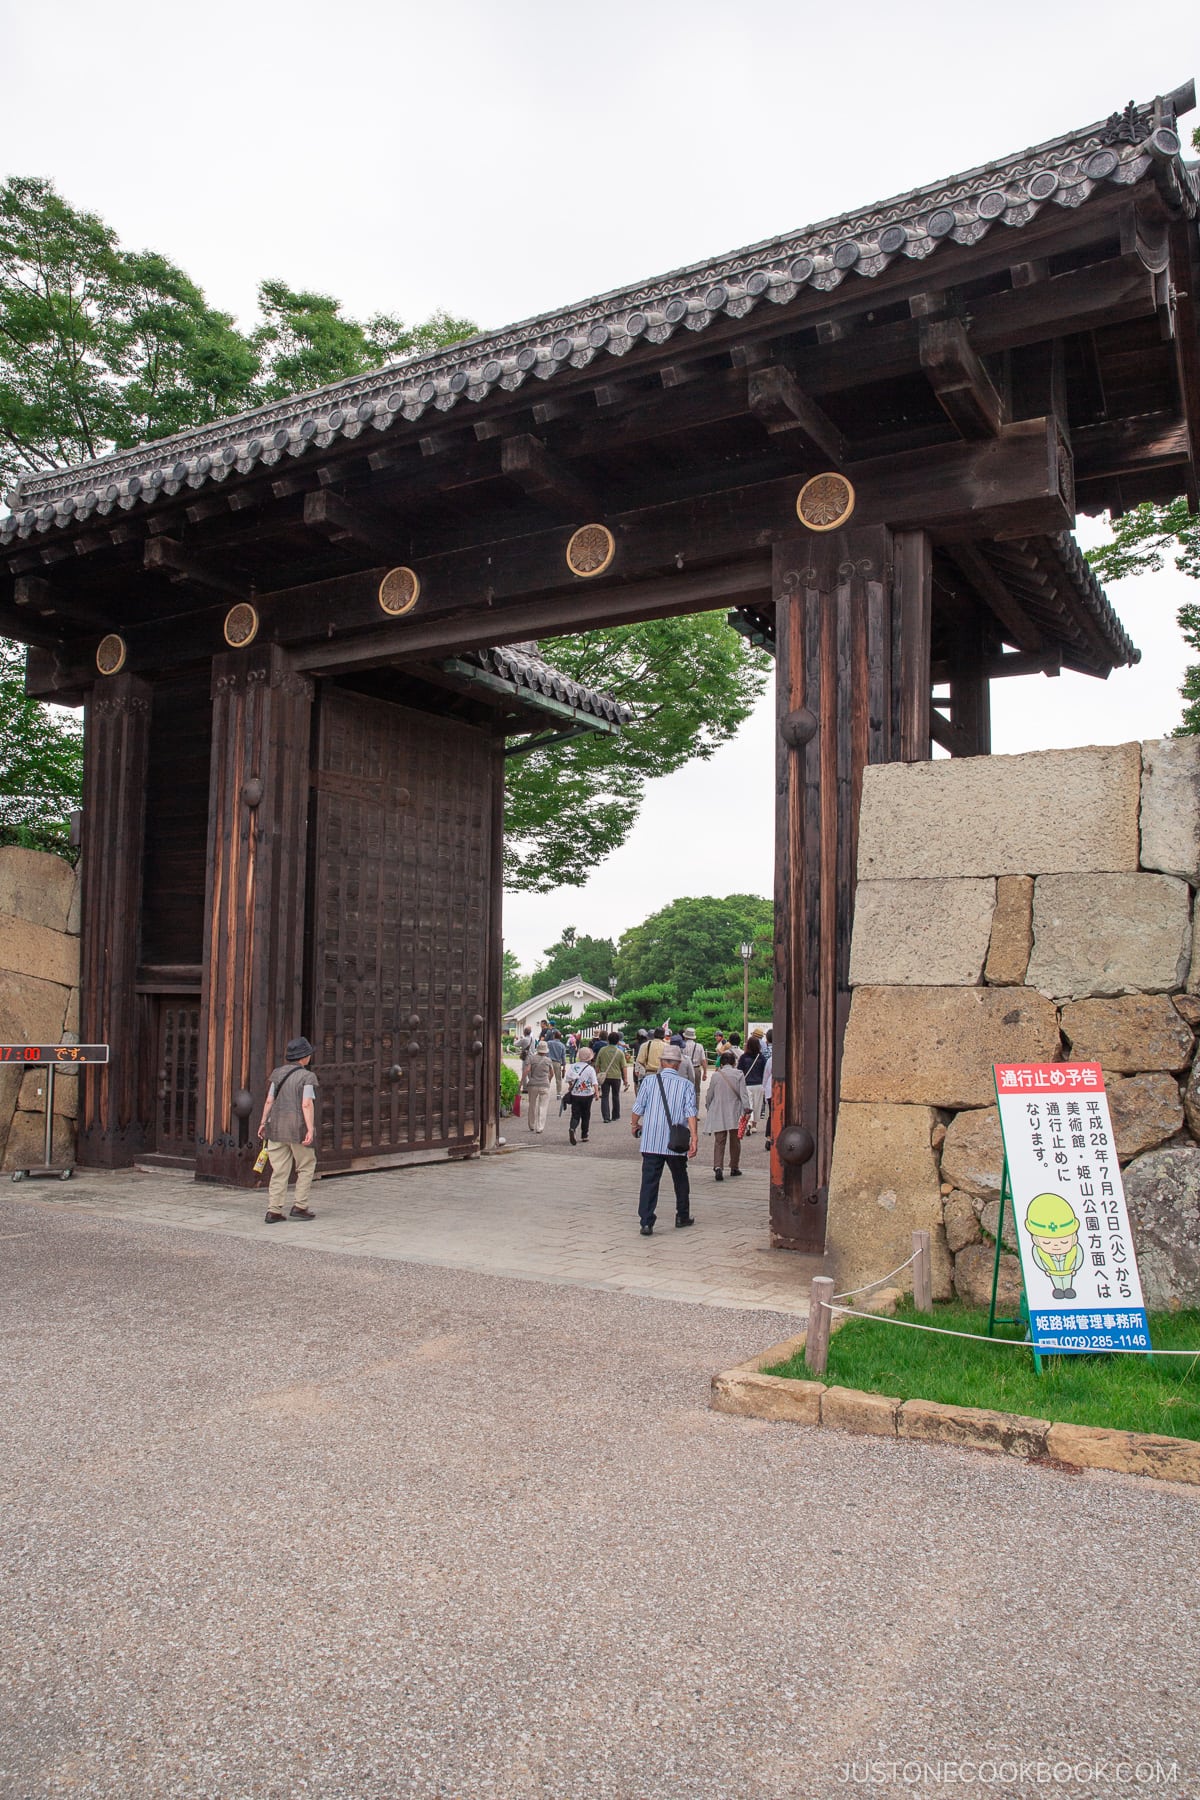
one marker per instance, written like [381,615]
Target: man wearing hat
[665,1100]
[290,1108]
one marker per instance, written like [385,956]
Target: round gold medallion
[111,652]
[825,502]
[241,625]
[590,550]
[399,591]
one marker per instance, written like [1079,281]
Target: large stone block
[936,1046]
[852,1409]
[25,1147]
[961,1222]
[973,1268]
[1171,806]
[28,949]
[1130,1452]
[883,1186]
[32,1097]
[36,886]
[1127,1035]
[934,1422]
[1146,1111]
[1162,1190]
[989,1219]
[921,933]
[987,815]
[31,1012]
[1109,934]
[973,1153]
[75,912]
[1012,932]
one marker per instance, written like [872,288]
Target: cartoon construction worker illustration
[1052,1225]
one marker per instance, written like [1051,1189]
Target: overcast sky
[501,160]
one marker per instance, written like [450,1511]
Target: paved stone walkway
[557,1215]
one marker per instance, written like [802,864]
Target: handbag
[679,1135]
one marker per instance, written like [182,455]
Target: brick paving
[540,1211]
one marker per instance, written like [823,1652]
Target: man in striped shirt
[664,1099]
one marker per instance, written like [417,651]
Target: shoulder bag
[679,1134]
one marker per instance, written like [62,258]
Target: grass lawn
[1129,1393]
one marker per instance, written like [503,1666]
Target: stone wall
[39,998]
[1020,909]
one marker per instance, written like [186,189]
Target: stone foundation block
[999,805]
[32,1097]
[1170,820]
[28,949]
[883,1186]
[989,1220]
[1146,1111]
[1131,1452]
[768,1397]
[1109,934]
[1012,1434]
[37,887]
[1012,932]
[1162,1190]
[936,1046]
[973,1153]
[849,1409]
[973,1278]
[31,1012]
[921,933]
[25,1147]
[1127,1035]
[961,1222]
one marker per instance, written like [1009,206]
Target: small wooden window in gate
[178,1047]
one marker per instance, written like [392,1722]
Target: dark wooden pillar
[493,1005]
[252,992]
[112,1130]
[852,633]
[970,689]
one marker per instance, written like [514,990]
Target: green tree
[592,957]
[691,682]
[517,987]
[1140,540]
[645,1008]
[693,943]
[41,763]
[306,341]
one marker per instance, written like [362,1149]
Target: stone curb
[747,1393]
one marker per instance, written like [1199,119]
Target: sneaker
[274,1218]
[300,1212]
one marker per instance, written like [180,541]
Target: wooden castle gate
[868,441]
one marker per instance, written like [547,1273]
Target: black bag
[679,1136]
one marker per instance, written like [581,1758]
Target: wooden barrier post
[816,1344]
[922,1272]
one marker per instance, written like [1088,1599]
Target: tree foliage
[592,957]
[694,943]
[41,763]
[691,682]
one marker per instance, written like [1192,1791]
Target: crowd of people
[674,1084]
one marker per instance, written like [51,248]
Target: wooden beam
[780,404]
[350,520]
[1008,663]
[545,477]
[1018,628]
[912,615]
[951,737]
[965,391]
[164,555]
[1185,273]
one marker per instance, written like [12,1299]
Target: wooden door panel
[401,873]
[178,1037]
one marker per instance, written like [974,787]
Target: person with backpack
[664,1117]
[695,1059]
[582,1088]
[726,1104]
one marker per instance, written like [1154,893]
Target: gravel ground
[277,1523]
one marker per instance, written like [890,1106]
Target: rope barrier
[850,1292]
[975,1337]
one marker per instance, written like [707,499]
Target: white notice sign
[1077,1258]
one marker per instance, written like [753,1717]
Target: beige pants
[538,1100]
[283,1156]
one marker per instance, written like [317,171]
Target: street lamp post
[612,989]
[747,953]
